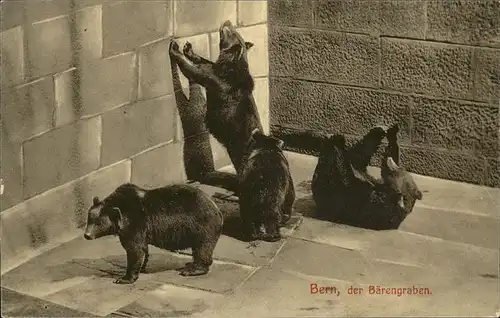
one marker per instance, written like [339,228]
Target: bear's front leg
[135,259]
[193,57]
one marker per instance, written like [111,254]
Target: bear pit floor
[444,260]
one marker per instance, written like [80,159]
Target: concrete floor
[449,245]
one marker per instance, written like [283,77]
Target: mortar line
[384,90]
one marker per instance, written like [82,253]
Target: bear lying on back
[173,218]
[344,192]
[267,193]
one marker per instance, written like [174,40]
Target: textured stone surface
[470,22]
[67,103]
[15,304]
[11,14]
[261,97]
[493,173]
[453,226]
[252,11]
[171,301]
[54,215]
[329,108]
[61,155]
[88,24]
[11,55]
[49,47]
[191,16]
[386,17]
[27,110]
[155,74]
[455,125]
[443,164]
[136,127]
[112,296]
[324,55]
[487,79]
[159,166]
[290,12]
[107,83]
[128,24]
[11,167]
[46,9]
[428,68]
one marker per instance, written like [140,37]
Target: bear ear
[117,218]
[248,45]
[391,165]
[96,200]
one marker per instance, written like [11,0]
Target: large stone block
[49,47]
[469,22]
[108,83]
[57,214]
[493,173]
[11,14]
[328,108]
[155,74]
[61,155]
[466,127]
[261,97]
[159,166]
[194,16]
[129,24]
[11,172]
[290,12]
[27,110]
[444,164]
[88,24]
[67,101]
[12,57]
[428,68]
[325,55]
[487,77]
[252,11]
[133,128]
[386,17]
[46,9]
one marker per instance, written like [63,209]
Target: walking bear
[231,111]
[173,218]
[267,193]
[345,192]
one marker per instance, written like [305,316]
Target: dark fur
[197,151]
[267,193]
[344,192]
[174,217]
[231,112]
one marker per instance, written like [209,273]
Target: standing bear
[173,217]
[231,111]
[267,192]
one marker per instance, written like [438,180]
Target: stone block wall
[87,104]
[339,66]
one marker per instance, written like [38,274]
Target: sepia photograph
[250,158]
